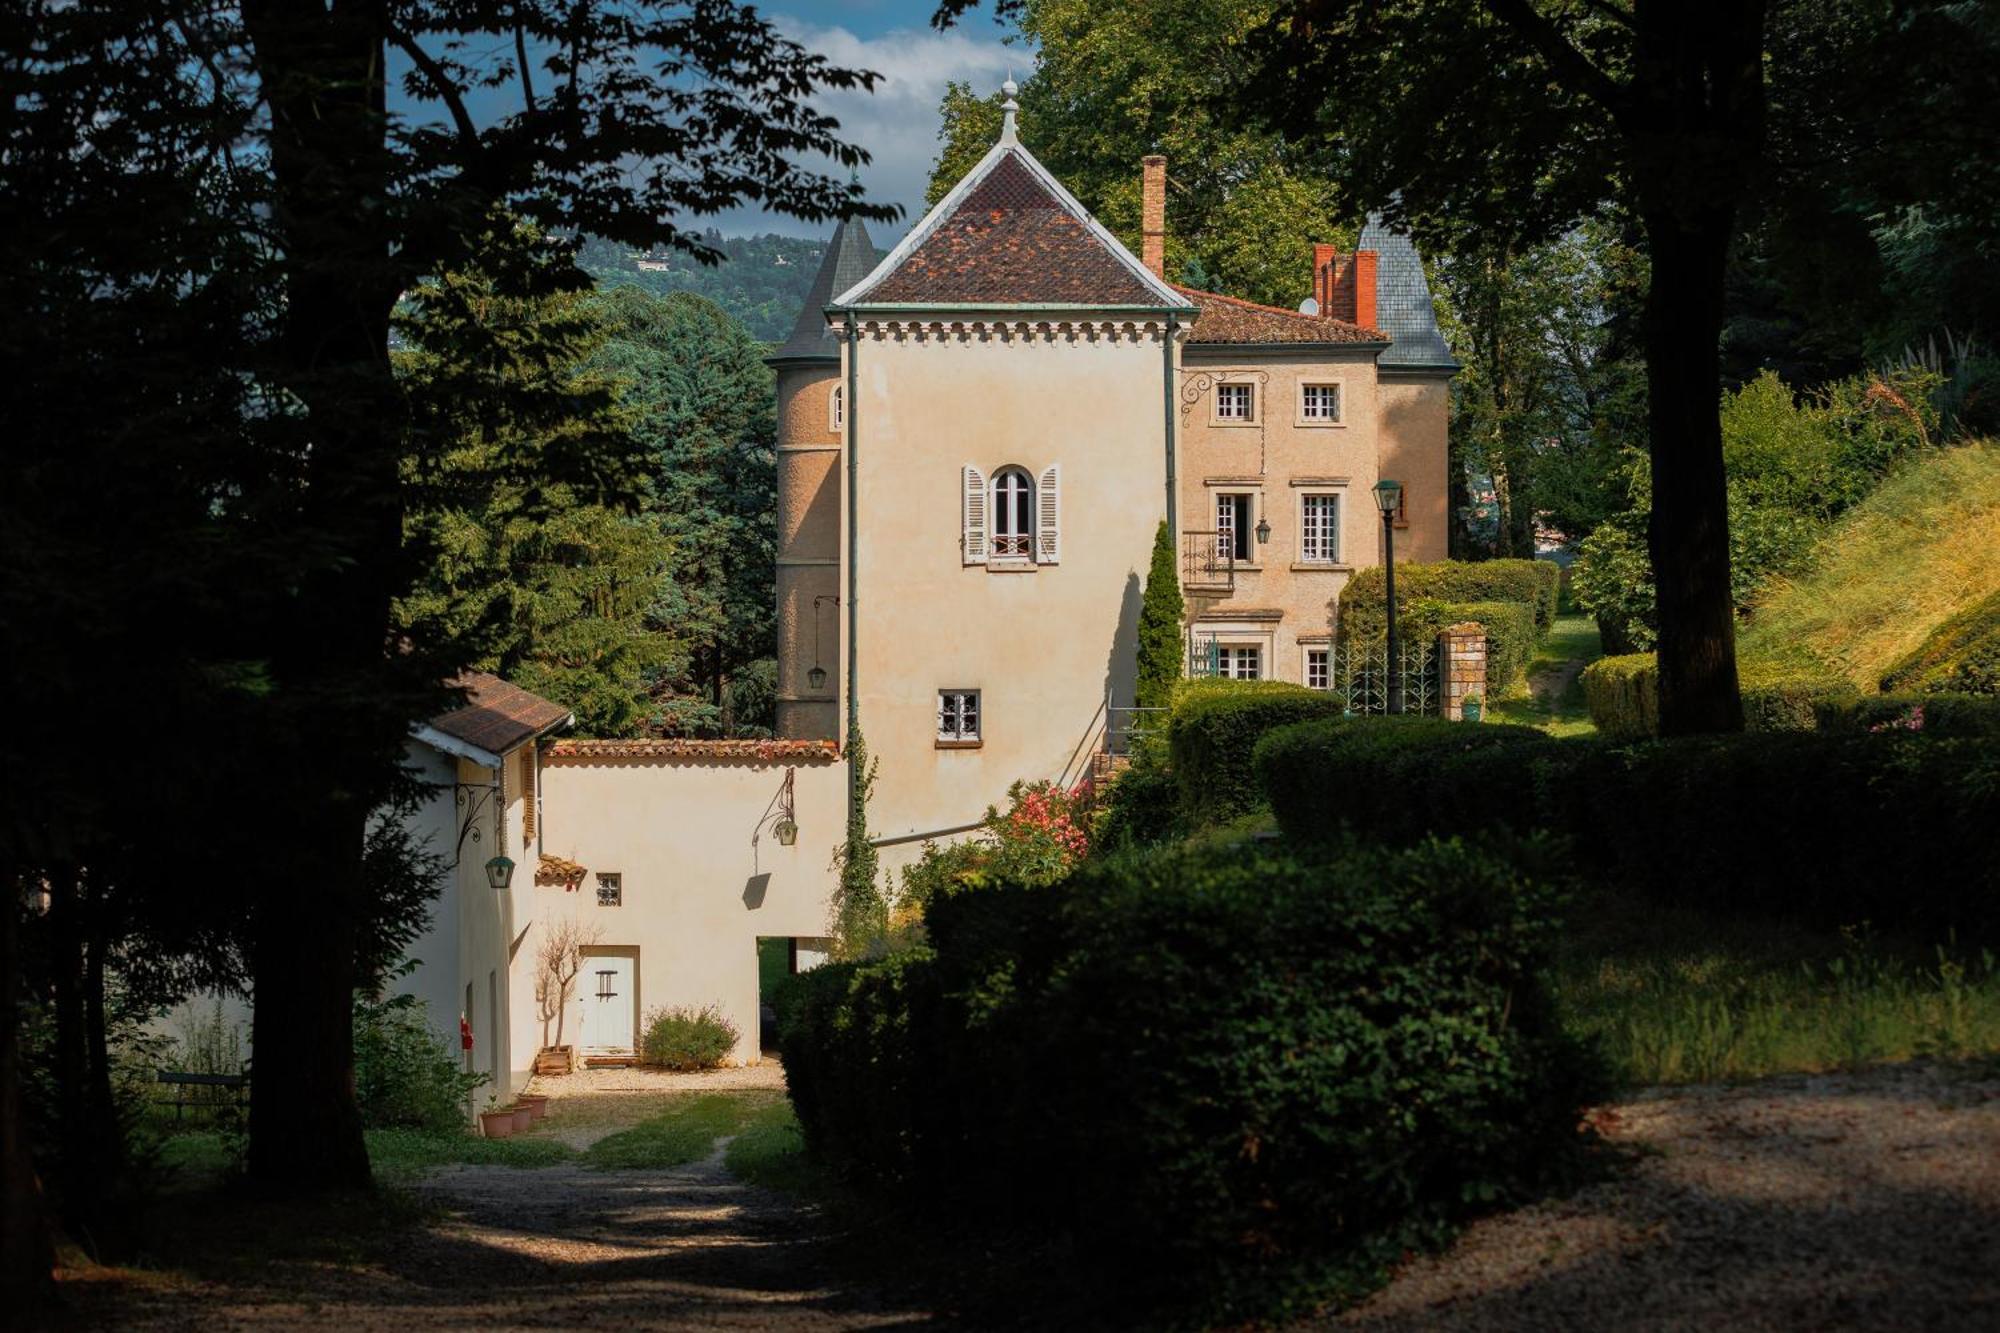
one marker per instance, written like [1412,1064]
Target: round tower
[811,435]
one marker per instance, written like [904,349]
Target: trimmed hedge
[1961,656]
[1538,583]
[1510,637]
[1892,827]
[1214,727]
[1623,695]
[1223,1083]
[1947,715]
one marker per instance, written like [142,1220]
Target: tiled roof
[1403,302]
[1225,319]
[848,259]
[1009,234]
[555,872]
[768,751]
[498,716]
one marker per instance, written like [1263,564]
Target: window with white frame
[1319,404]
[958,717]
[1319,529]
[1013,515]
[1236,402]
[610,889]
[1233,524]
[1319,675]
[835,409]
[1239,661]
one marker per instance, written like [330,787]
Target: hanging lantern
[500,871]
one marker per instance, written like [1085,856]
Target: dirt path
[1846,1202]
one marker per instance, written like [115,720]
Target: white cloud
[898,122]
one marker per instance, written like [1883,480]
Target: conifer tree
[1160,627]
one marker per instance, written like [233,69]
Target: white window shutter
[972,484]
[1048,516]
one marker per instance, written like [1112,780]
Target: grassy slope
[1923,546]
[1551,697]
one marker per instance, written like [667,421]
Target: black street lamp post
[1389,499]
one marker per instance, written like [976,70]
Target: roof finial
[1007,110]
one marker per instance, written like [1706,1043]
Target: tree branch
[468,133]
[521,55]
[1570,66]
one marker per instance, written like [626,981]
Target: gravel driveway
[1843,1202]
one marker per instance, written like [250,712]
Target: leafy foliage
[1239,1082]
[761,281]
[1041,836]
[1214,727]
[860,908]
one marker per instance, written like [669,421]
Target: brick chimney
[1345,290]
[1153,214]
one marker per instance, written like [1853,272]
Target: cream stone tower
[809,448]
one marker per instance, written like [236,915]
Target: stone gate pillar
[1462,657]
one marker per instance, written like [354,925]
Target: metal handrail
[1208,561]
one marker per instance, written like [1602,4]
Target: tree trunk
[321,70]
[66,988]
[1688,533]
[27,1247]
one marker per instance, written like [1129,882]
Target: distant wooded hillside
[763,281]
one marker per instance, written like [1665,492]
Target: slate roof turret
[848,259]
[1403,309]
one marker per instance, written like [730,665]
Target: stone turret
[810,436]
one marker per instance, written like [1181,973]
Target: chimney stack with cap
[1153,214]
[1345,290]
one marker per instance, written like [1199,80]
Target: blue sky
[898,123]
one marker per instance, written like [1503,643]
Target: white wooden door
[606,992]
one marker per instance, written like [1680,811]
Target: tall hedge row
[1623,696]
[1536,583]
[1223,1082]
[1893,827]
[1211,732]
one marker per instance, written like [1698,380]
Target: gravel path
[1842,1202]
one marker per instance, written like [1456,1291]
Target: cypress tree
[1160,627]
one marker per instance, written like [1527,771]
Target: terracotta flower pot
[523,1118]
[537,1103]
[497,1124]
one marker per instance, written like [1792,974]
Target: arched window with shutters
[1011,518]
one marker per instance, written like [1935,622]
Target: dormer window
[1236,403]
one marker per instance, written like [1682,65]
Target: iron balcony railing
[1208,563]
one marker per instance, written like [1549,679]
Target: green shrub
[1961,656]
[1233,1082]
[1536,583]
[1946,715]
[1213,728]
[686,1038]
[1623,695]
[1612,580]
[406,1075]
[1892,827]
[1139,809]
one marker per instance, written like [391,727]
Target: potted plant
[496,1121]
[1472,707]
[523,1117]
[537,1102]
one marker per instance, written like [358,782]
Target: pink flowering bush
[1041,836]
[1913,720]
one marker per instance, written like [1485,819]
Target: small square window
[1319,403]
[1235,402]
[610,890]
[958,717]
[1317,675]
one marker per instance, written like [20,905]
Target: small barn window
[610,889]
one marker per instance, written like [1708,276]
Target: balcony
[1208,564]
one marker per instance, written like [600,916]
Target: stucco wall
[696,894]
[1277,459]
[1043,644]
[1416,418]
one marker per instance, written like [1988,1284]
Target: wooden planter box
[555,1060]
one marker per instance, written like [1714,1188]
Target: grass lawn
[1675,996]
[686,1132]
[1552,697]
